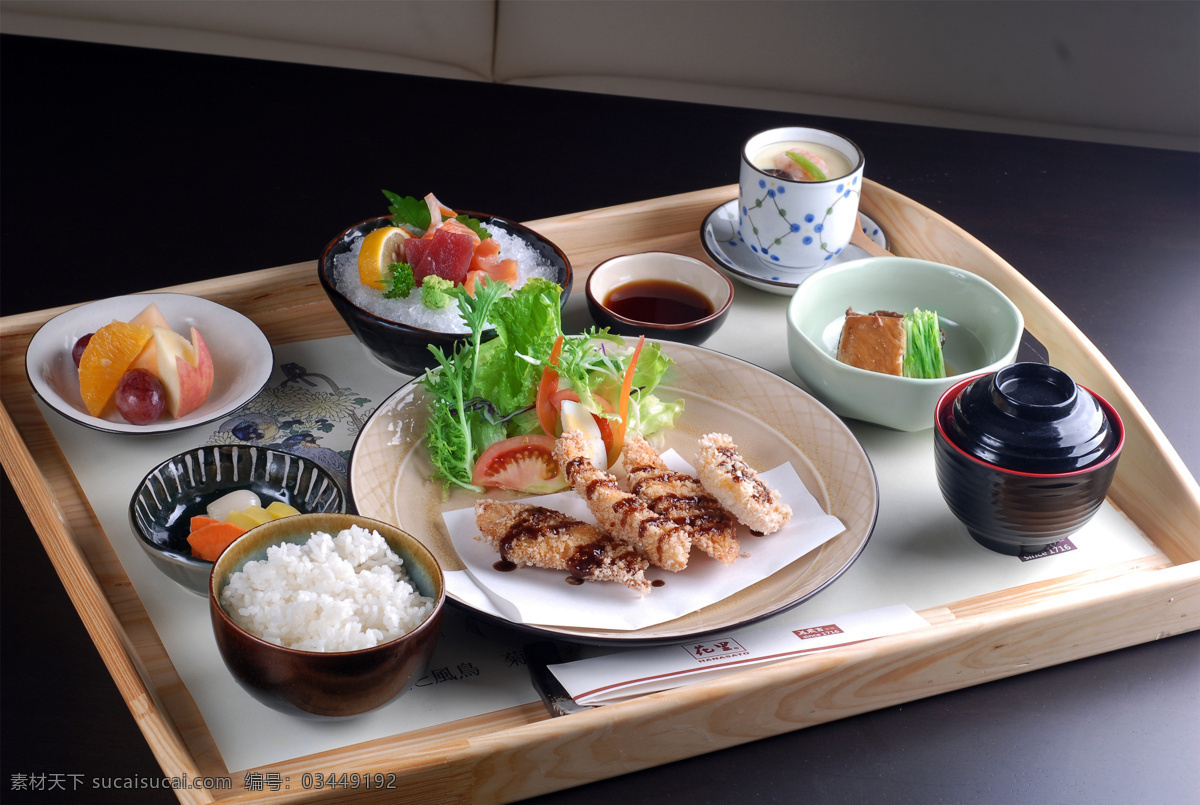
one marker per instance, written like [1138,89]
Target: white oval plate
[772,421]
[721,241]
[242,357]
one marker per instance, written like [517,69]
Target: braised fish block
[539,537]
[682,499]
[621,514]
[873,341]
[728,478]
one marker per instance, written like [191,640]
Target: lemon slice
[380,249]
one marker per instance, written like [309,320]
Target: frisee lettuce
[453,432]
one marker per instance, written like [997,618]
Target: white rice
[330,594]
[410,311]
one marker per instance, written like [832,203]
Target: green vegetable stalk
[923,345]
[807,165]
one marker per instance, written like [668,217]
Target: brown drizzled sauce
[534,524]
[623,508]
[741,473]
[700,513]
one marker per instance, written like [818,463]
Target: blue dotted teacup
[798,195]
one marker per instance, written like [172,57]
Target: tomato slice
[547,413]
[521,463]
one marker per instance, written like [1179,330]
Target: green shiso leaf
[474,224]
[408,213]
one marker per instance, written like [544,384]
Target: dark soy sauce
[658,301]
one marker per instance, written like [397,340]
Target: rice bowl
[331,593]
[327,678]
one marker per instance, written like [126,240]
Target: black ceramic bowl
[1024,456]
[659,272]
[181,487]
[316,683]
[400,346]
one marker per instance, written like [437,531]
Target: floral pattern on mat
[306,413]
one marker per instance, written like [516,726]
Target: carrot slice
[623,406]
[547,414]
[199,521]
[208,541]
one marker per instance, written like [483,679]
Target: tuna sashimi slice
[447,256]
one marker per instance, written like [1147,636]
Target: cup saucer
[718,234]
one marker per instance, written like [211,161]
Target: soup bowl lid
[1032,418]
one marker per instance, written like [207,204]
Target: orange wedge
[109,355]
[380,249]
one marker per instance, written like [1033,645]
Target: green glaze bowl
[982,333]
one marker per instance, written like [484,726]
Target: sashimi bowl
[400,331]
[183,486]
[326,615]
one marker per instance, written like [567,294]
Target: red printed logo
[715,650]
[817,631]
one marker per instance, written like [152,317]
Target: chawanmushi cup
[1024,456]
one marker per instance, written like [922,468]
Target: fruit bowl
[241,355]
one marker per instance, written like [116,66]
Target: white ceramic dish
[982,330]
[721,241]
[242,357]
[772,422]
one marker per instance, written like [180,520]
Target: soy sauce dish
[659,294]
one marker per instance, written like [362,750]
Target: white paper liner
[619,677]
[542,597]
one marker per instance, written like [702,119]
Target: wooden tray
[490,758]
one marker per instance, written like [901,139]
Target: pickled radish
[239,499]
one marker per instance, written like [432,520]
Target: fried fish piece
[621,514]
[682,499]
[727,476]
[525,534]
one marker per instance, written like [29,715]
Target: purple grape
[140,397]
[80,346]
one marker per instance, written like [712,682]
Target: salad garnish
[495,407]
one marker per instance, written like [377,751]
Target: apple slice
[195,378]
[185,369]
